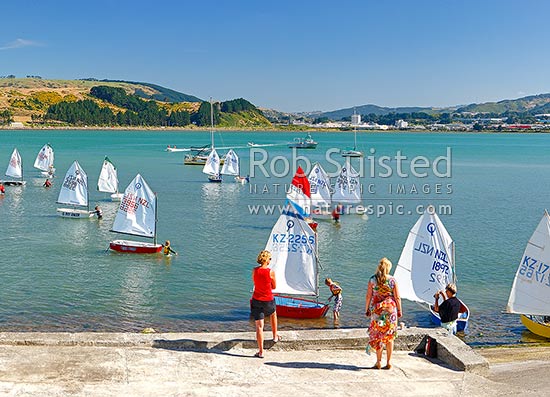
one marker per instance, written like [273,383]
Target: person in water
[2,188]
[98,212]
[336,291]
[336,212]
[167,250]
[448,309]
[47,183]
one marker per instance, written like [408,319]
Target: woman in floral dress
[383,306]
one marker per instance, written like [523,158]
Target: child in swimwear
[336,291]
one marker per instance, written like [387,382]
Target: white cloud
[19,43]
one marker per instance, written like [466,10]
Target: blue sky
[290,55]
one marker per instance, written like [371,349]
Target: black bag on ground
[428,347]
[431,347]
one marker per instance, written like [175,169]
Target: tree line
[139,112]
[6,117]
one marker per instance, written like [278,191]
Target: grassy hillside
[244,119]
[28,99]
[532,104]
[160,93]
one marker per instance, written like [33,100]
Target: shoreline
[264,129]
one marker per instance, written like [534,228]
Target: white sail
[348,188]
[15,169]
[231,164]
[426,263]
[212,166]
[319,184]
[74,190]
[44,159]
[136,214]
[292,244]
[108,179]
[530,292]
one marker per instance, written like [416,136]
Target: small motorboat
[303,143]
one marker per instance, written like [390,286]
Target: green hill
[530,104]
[161,93]
[374,109]
[36,101]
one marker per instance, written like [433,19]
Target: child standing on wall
[336,291]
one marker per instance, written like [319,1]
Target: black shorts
[262,309]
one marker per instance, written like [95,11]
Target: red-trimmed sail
[299,193]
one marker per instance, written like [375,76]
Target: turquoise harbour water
[57,274]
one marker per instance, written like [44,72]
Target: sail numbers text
[440,266]
[290,242]
[535,270]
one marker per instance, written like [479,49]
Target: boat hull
[536,327]
[194,160]
[117,196]
[198,160]
[134,247]
[14,183]
[215,178]
[461,322]
[47,174]
[74,213]
[352,153]
[302,145]
[294,307]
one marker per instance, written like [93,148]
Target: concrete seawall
[309,362]
[450,349]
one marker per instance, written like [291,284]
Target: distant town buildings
[462,122]
[401,124]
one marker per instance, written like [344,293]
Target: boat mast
[211,123]
[156,212]
[22,174]
[354,133]
[453,259]
[316,256]
[87,195]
